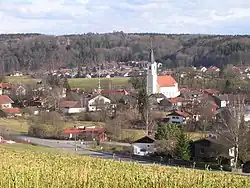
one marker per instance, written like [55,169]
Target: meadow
[83,83]
[27,169]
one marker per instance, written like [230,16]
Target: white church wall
[170,92]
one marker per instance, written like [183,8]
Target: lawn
[34,148]
[89,83]
[18,125]
[22,126]
[85,83]
[26,169]
[20,80]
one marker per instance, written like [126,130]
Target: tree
[166,135]
[233,128]
[46,125]
[139,84]
[182,149]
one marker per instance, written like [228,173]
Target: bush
[47,125]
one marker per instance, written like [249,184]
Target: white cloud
[167,16]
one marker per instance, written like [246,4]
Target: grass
[22,126]
[89,83]
[20,80]
[18,125]
[132,134]
[26,169]
[196,135]
[84,83]
[34,148]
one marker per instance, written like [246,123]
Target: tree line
[31,52]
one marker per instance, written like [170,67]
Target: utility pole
[75,139]
[99,80]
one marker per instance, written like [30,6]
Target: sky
[58,17]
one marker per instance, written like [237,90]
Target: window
[202,151]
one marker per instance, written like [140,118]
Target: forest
[35,52]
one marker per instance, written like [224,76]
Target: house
[12,112]
[72,107]
[5,102]
[99,102]
[220,100]
[160,84]
[144,146]
[5,88]
[171,104]
[86,133]
[178,116]
[212,149]
[203,69]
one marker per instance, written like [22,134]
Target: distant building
[144,146]
[160,84]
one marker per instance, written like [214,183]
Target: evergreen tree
[182,149]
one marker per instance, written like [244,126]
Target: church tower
[152,74]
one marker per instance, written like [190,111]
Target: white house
[5,102]
[96,103]
[160,84]
[144,146]
[179,117]
[71,107]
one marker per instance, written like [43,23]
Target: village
[103,115]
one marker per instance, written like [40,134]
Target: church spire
[152,59]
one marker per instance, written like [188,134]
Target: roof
[79,130]
[220,140]
[70,104]
[11,110]
[145,139]
[180,113]
[166,81]
[4,99]
[5,85]
[177,99]
[116,92]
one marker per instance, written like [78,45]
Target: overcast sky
[164,16]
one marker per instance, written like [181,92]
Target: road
[81,148]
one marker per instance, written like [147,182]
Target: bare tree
[232,126]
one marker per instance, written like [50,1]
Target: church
[165,85]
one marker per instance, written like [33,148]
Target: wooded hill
[36,52]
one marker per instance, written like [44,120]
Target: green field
[34,148]
[20,80]
[27,169]
[84,83]
[89,83]
[22,125]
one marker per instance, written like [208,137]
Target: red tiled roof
[182,113]
[11,110]
[166,81]
[69,104]
[177,99]
[4,99]
[78,131]
[5,85]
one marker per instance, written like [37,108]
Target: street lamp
[75,139]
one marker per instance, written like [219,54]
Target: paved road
[81,149]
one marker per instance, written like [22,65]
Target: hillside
[28,169]
[30,52]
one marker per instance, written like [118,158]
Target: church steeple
[151,73]
[151,55]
